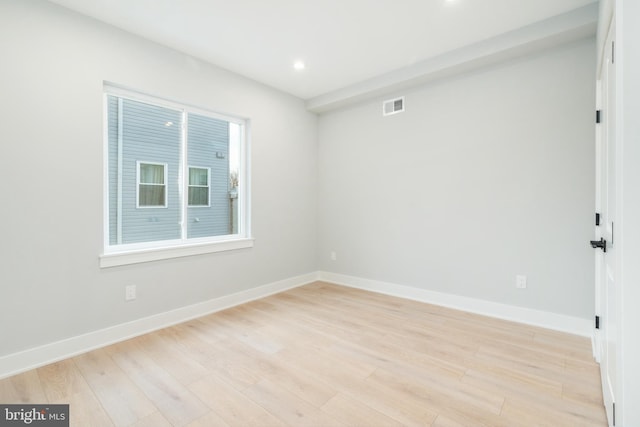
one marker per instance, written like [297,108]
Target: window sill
[157,254]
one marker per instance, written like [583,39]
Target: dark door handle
[602,244]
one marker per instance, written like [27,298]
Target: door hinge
[597,219]
[597,322]
[598,116]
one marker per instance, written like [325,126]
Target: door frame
[606,335]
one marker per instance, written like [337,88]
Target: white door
[606,262]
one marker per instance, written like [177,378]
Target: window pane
[151,174]
[152,195]
[142,139]
[198,176]
[150,162]
[235,135]
[198,196]
[208,148]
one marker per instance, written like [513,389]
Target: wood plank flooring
[325,355]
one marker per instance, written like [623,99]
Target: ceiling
[343,43]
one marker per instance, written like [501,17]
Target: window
[175,180]
[152,186]
[198,186]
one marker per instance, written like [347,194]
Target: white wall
[628,93]
[485,176]
[54,63]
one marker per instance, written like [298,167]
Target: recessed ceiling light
[298,65]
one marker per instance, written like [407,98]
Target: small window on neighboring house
[198,186]
[152,185]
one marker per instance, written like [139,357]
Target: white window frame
[124,254]
[138,183]
[208,186]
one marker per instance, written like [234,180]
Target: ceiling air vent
[393,106]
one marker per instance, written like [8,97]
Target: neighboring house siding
[209,147]
[113,166]
[146,138]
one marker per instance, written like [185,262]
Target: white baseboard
[16,363]
[558,322]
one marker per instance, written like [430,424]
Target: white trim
[183,176]
[598,255]
[49,353]
[544,319]
[244,180]
[179,250]
[106,237]
[16,363]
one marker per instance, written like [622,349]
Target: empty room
[305,213]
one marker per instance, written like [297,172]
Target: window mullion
[183,177]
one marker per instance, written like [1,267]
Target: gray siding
[147,138]
[112,104]
[209,147]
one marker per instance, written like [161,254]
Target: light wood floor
[325,355]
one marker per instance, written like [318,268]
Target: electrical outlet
[333,256]
[521,282]
[130,292]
